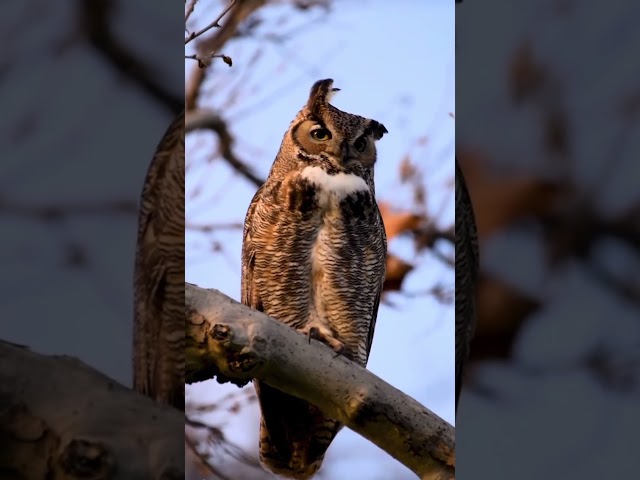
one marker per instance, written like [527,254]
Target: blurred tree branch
[55,212]
[96,20]
[234,343]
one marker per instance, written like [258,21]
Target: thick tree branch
[235,343]
[60,418]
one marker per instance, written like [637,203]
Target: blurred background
[87,90]
[547,135]
[394,62]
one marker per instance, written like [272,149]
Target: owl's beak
[346,153]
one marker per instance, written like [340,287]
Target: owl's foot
[325,336]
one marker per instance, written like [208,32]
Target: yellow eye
[360,144]
[321,134]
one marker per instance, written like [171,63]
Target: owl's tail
[294,435]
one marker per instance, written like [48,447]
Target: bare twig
[214,24]
[190,7]
[203,62]
[215,43]
[214,226]
[204,461]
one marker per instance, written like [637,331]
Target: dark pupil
[360,144]
[321,134]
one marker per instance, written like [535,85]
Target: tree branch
[208,120]
[235,343]
[211,25]
[60,418]
[95,19]
[208,45]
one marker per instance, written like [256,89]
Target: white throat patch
[341,185]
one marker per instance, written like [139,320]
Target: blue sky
[394,62]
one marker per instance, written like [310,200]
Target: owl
[158,336]
[466,266]
[313,257]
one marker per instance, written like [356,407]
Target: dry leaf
[500,200]
[396,222]
[397,270]
[407,169]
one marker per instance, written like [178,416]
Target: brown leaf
[407,169]
[526,74]
[500,200]
[397,270]
[501,311]
[397,222]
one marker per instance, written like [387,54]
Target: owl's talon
[313,333]
[324,336]
[339,351]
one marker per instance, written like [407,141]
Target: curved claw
[325,336]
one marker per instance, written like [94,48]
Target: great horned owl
[313,257]
[466,273]
[158,336]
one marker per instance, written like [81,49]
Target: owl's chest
[329,197]
[338,212]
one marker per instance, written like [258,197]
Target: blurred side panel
[548,139]
[87,88]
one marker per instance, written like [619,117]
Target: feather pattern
[158,345]
[466,266]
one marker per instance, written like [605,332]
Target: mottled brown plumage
[313,257]
[466,266]
[158,345]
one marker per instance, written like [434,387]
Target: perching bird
[313,257]
[466,266]
[158,337]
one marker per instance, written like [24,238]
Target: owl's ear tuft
[378,130]
[320,95]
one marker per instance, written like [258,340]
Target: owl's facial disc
[314,138]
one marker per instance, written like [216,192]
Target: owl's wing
[158,347]
[382,254]
[248,293]
[466,266]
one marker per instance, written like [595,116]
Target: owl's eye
[360,144]
[321,134]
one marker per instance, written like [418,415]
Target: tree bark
[61,419]
[234,343]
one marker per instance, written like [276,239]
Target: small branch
[214,226]
[235,343]
[204,62]
[214,24]
[215,43]
[203,459]
[206,119]
[190,7]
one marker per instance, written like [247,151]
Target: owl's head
[323,134]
